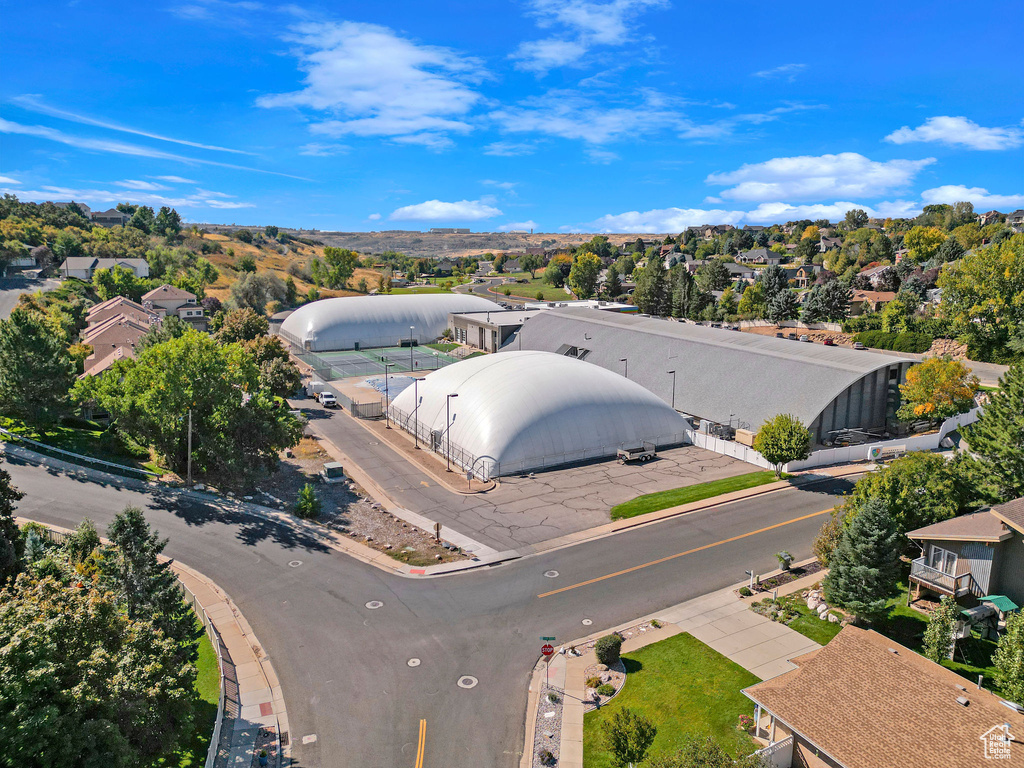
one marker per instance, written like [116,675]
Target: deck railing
[933,577]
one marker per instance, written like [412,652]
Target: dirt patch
[818,337]
[347,508]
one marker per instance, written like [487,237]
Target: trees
[855,219]
[583,275]
[752,302]
[36,371]
[167,221]
[829,301]
[951,250]
[782,306]
[774,281]
[341,265]
[997,438]
[865,565]
[937,389]
[143,219]
[781,440]
[271,232]
[558,270]
[938,635]
[10,540]
[119,281]
[698,752]
[254,290]
[243,235]
[242,325]
[713,276]
[531,262]
[652,292]
[1009,658]
[923,242]
[612,282]
[170,327]
[628,735]
[237,430]
[687,299]
[897,313]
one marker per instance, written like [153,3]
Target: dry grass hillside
[276,258]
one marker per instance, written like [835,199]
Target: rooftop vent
[963,701]
[894,651]
[962,688]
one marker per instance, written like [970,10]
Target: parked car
[328,400]
[858,345]
[828,343]
[805,337]
[780,335]
[791,336]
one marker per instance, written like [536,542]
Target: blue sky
[627,116]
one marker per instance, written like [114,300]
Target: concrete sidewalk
[719,619]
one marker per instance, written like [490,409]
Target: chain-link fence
[437,440]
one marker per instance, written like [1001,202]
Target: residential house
[119,305]
[112,339]
[829,244]
[110,218]
[444,267]
[754,228]
[741,271]
[760,256]
[83,267]
[876,274]
[666,249]
[81,206]
[865,701]
[511,265]
[869,301]
[989,217]
[806,274]
[1015,220]
[711,231]
[901,254]
[972,556]
[168,300]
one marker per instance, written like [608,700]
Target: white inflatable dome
[521,411]
[375,321]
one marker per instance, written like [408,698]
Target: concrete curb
[258,689]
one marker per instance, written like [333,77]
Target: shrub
[607,649]
[540,296]
[655,623]
[308,505]
[76,422]
[861,323]
[246,264]
[553,697]
[593,682]
[546,758]
[746,722]
[606,689]
[745,591]
[899,342]
[508,291]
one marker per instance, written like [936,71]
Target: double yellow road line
[421,748]
[683,554]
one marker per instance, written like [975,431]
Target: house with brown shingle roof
[972,556]
[117,332]
[864,701]
[169,300]
[118,305]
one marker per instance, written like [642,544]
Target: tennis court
[370,362]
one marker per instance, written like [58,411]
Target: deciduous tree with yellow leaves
[937,389]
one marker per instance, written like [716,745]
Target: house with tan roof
[869,301]
[118,305]
[169,300]
[864,701]
[972,556]
[117,332]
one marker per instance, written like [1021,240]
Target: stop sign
[547,649]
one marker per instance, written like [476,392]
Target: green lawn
[807,622]
[421,289]
[96,443]
[652,502]
[204,713]
[529,289]
[444,346]
[685,688]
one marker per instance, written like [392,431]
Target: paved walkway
[720,619]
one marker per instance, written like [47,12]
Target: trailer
[644,452]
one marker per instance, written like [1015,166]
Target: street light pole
[448,426]
[416,413]
[387,397]
[625,361]
[673,388]
[411,329]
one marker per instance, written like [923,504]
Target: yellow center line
[683,554]
[422,744]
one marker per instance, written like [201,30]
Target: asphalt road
[481,289]
[12,287]
[344,667]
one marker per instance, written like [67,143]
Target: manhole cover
[551,574]
[413,662]
[294,563]
[373,605]
[467,681]
[587,622]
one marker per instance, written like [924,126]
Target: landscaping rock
[833,619]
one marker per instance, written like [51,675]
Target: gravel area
[548,735]
[349,509]
[615,676]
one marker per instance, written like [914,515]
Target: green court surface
[370,362]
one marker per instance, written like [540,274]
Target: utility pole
[411,329]
[387,397]
[188,482]
[448,427]
[416,413]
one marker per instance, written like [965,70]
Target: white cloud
[506,185]
[436,210]
[175,179]
[319,149]
[33,103]
[528,224]
[374,217]
[380,84]
[664,220]
[119,147]
[806,178]
[8,180]
[148,186]
[719,129]
[509,149]
[954,193]
[958,132]
[788,71]
[580,26]
[227,204]
[199,199]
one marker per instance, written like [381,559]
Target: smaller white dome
[521,411]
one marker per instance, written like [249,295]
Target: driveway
[12,287]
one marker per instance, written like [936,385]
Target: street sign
[547,649]
[547,639]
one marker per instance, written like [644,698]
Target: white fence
[211,632]
[77,458]
[728,448]
[779,754]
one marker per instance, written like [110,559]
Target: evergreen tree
[938,635]
[997,438]
[865,565]
[951,250]
[167,219]
[1009,658]
[36,372]
[628,735]
[11,545]
[143,219]
[684,292]
[612,282]
[713,276]
[782,306]
[651,294]
[774,281]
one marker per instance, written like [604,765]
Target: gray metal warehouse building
[728,377]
